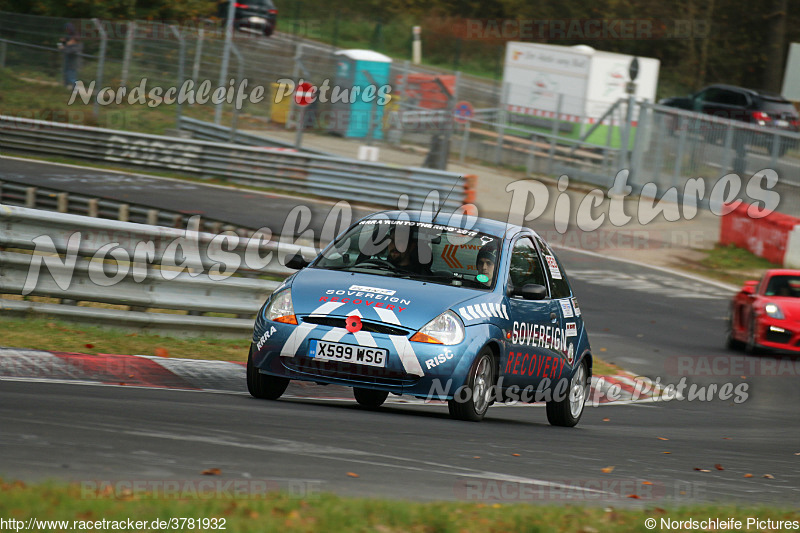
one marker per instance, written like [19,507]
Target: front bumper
[417,369]
[778,334]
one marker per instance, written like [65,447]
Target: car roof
[753,92]
[483,225]
[782,272]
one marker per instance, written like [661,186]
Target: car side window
[525,267]
[559,285]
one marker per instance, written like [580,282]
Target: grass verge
[279,512]
[730,264]
[44,334]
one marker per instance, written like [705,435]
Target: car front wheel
[368,398]
[472,400]
[567,411]
[263,386]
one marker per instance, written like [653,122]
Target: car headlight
[444,329]
[280,309]
[773,311]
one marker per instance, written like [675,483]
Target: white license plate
[256,20]
[347,353]
[782,123]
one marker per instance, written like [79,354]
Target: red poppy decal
[353,324]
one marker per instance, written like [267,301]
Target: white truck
[587,82]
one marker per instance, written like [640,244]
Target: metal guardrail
[81,259]
[345,179]
[208,131]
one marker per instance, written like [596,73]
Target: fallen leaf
[701,470]
[726,438]
[352,474]
[634,496]
[161,352]
[477,457]
[603,349]
[662,438]
[89,345]
[769,476]
[211,472]
[515,454]
[647,482]
[659,510]
[497,505]
[718,466]
[607,470]
[748,475]
[667,453]
[606,420]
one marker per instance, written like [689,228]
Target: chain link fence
[550,133]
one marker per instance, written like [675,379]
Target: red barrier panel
[766,237]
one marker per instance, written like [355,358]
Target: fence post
[240,75]
[640,140]
[677,169]
[501,123]
[223,70]
[198,54]
[464,140]
[3,45]
[126,58]
[100,63]
[181,59]
[554,133]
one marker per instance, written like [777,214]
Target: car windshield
[788,286]
[415,250]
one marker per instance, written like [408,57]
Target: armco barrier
[330,177]
[767,237]
[137,279]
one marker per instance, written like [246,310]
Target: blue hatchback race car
[470,313]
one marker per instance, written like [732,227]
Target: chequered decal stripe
[363,338]
[484,310]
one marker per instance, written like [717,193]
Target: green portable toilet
[352,108]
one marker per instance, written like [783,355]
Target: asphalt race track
[641,318]
[248,209]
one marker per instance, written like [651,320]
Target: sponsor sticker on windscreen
[348,353]
[374,290]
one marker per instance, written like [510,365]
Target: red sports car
[766,313]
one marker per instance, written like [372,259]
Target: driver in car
[485,263]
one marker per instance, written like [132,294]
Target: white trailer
[586,81]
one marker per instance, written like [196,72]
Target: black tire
[731,343]
[563,412]
[263,386]
[479,384]
[751,346]
[368,398]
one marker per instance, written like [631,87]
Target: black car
[258,15]
[759,108]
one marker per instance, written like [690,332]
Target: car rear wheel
[263,386]
[567,411]
[473,399]
[371,399]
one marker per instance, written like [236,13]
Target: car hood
[374,297]
[789,306]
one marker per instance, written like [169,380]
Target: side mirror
[296,262]
[532,291]
[749,287]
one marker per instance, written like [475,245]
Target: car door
[534,343]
